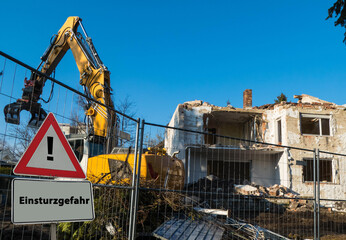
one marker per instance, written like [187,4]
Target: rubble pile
[246,190]
[213,192]
[196,103]
[258,190]
[339,207]
[301,205]
[211,184]
[293,202]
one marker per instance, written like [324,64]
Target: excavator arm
[94,77]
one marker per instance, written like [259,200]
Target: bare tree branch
[127,107]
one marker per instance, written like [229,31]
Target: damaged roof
[214,108]
[304,101]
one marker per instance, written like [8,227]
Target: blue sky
[162,53]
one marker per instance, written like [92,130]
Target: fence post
[53,231]
[136,189]
[315,198]
[134,172]
[318,192]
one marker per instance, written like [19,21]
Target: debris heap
[213,184]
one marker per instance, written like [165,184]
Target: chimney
[247,98]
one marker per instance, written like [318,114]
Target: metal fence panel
[171,183]
[112,194]
[249,189]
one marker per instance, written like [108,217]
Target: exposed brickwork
[247,98]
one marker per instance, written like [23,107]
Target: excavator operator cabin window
[78,148]
[95,149]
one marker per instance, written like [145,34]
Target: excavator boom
[94,77]
[94,151]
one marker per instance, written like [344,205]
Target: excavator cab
[84,148]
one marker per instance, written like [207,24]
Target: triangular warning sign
[49,154]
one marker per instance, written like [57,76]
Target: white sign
[46,201]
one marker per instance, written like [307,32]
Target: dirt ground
[299,224]
[11,231]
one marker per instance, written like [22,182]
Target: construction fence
[161,182]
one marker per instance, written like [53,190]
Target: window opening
[326,170]
[279,131]
[315,124]
[237,171]
[209,138]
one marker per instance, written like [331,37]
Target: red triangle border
[22,168]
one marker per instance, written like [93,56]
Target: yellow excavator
[97,151]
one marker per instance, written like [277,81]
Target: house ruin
[308,123]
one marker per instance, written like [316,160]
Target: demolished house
[309,123]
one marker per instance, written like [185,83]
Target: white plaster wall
[190,119]
[282,173]
[172,137]
[197,165]
[265,172]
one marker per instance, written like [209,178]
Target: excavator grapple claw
[12,113]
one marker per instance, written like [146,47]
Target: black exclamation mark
[50,148]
